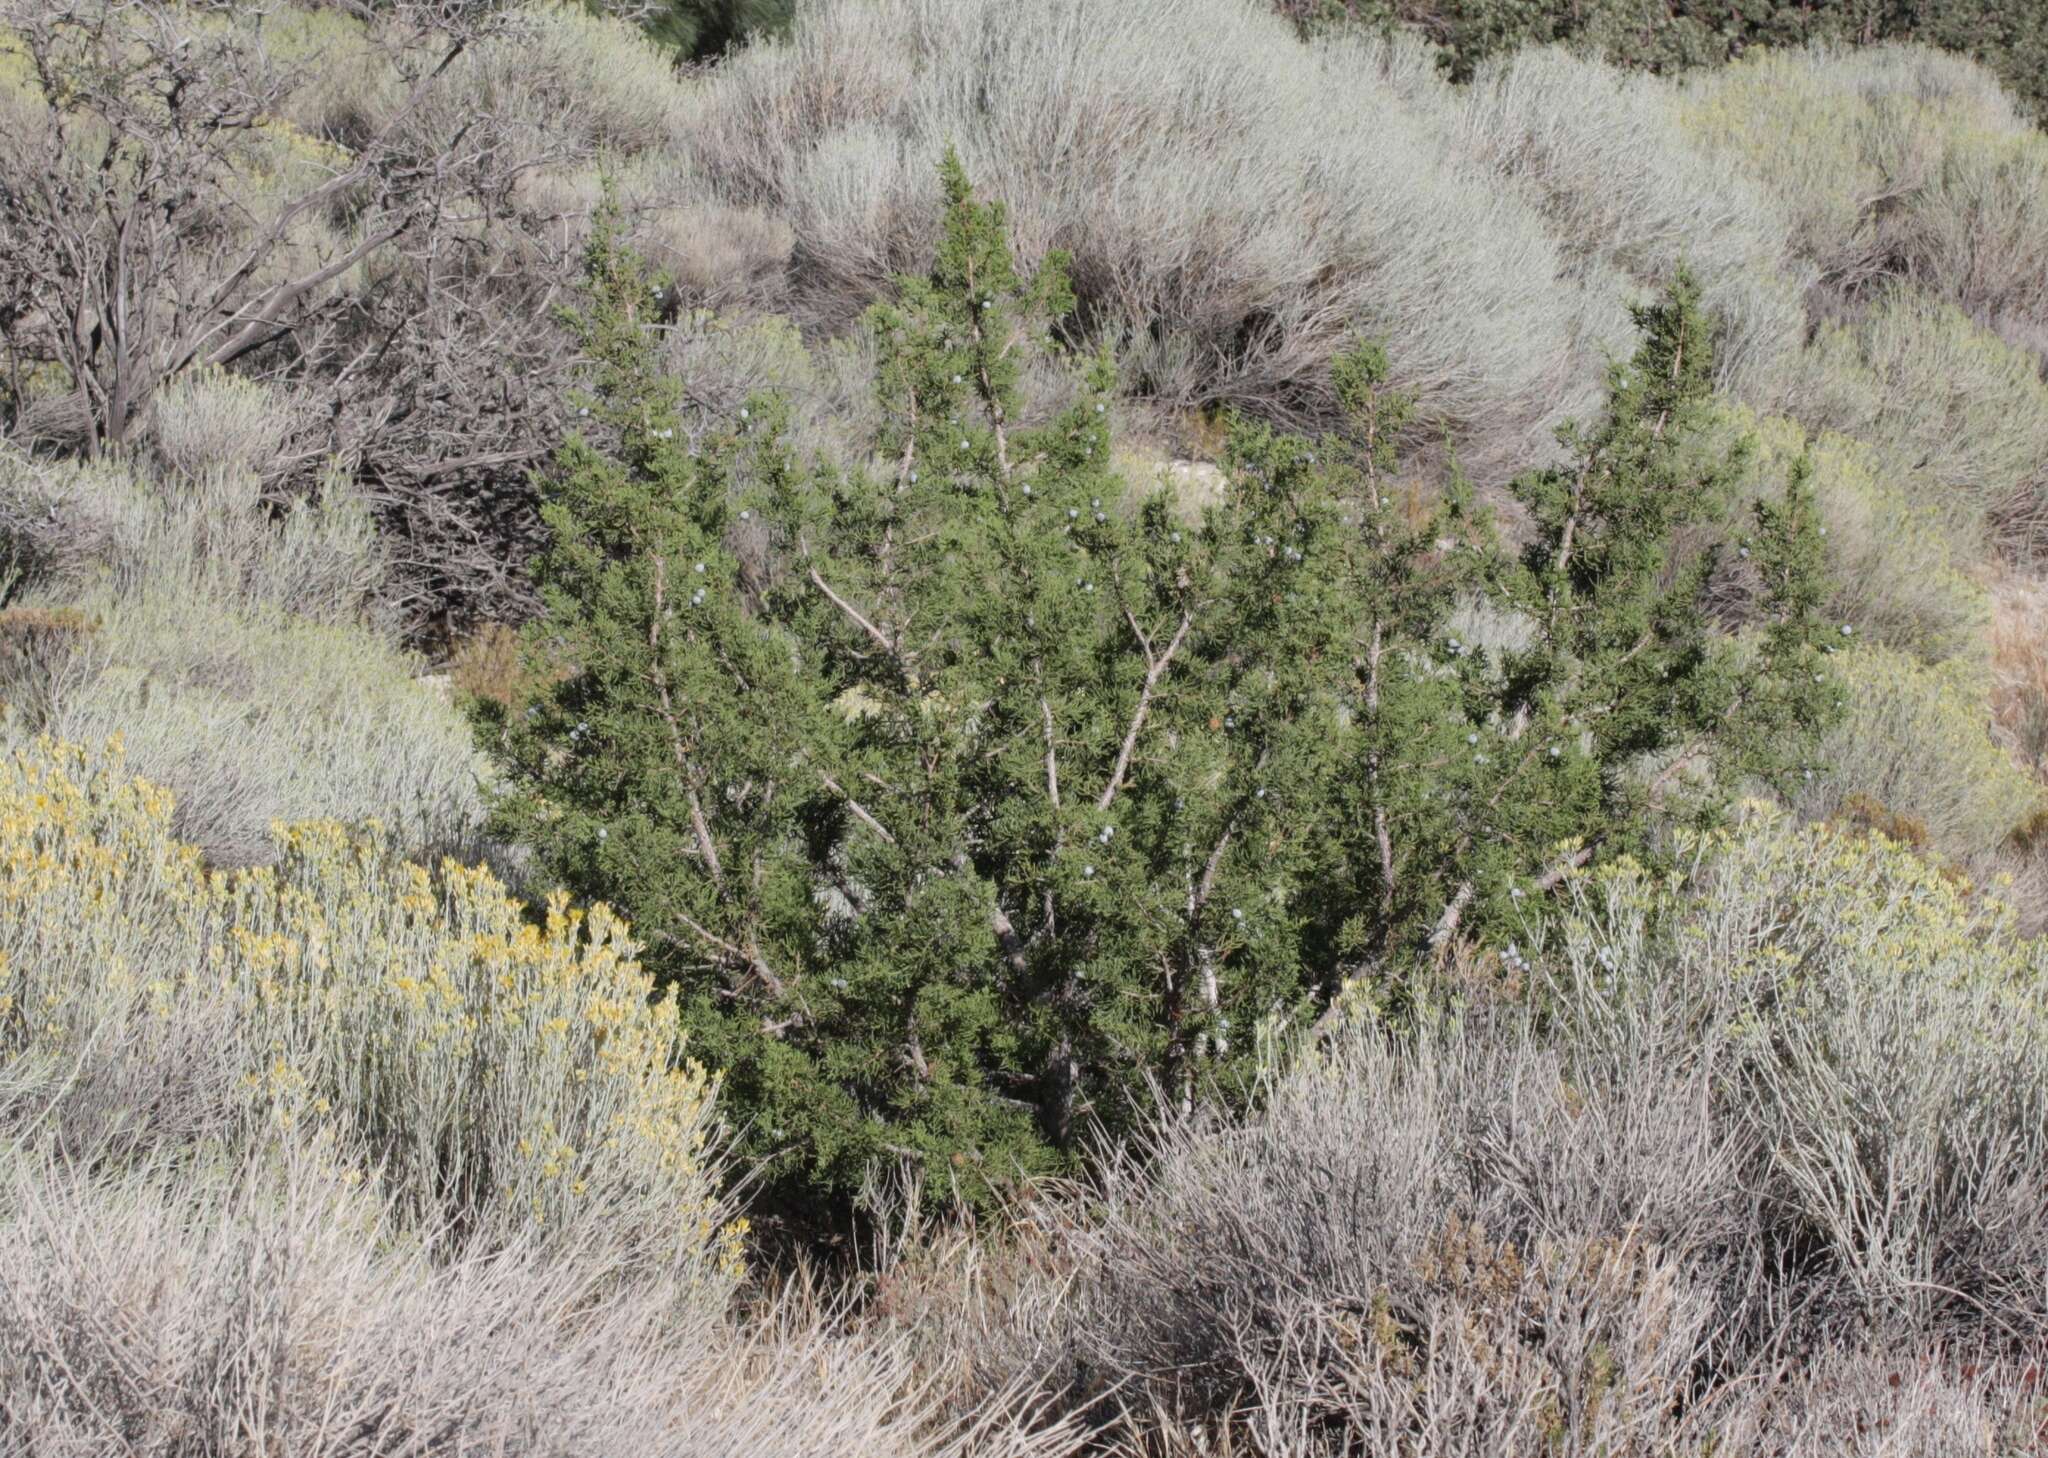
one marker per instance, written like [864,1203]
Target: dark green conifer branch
[971,800]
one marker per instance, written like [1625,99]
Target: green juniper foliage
[1483,773]
[972,798]
[1625,700]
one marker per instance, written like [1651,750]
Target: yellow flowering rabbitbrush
[507,1078]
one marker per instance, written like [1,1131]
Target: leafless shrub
[190,189]
[126,204]
[1515,1253]
[1875,1402]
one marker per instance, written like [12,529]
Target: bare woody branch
[854,615]
[1155,669]
[699,827]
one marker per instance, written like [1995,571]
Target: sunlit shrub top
[1917,740]
[506,1076]
[1823,126]
[1831,946]
[1894,161]
[1784,895]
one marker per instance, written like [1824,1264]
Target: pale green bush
[1916,742]
[716,254]
[1882,1042]
[63,523]
[1979,234]
[18,86]
[348,83]
[496,1073]
[1952,404]
[1488,236]
[231,648]
[208,421]
[1895,562]
[1825,148]
[549,72]
[584,82]
[1891,161]
[251,715]
[829,389]
[1490,629]
[69,528]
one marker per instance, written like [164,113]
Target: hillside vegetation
[1159,729]
[2011,40]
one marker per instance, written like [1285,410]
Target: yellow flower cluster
[521,1068]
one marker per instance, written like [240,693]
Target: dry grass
[486,665]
